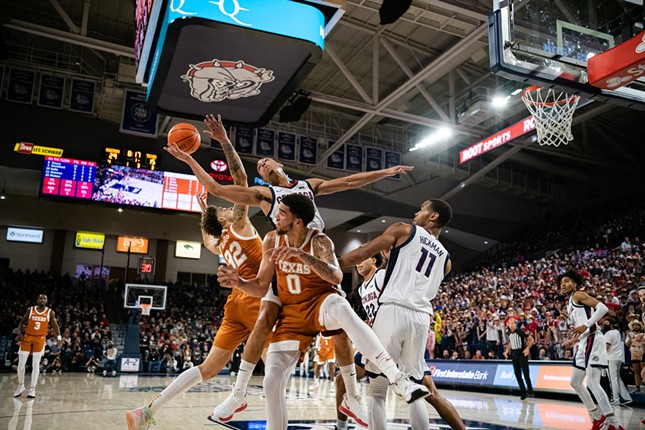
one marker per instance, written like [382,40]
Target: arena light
[499,101]
[439,135]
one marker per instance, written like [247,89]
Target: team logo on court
[216,81]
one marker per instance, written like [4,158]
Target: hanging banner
[374,159]
[337,159]
[287,146]
[392,159]
[244,140]
[81,98]
[51,91]
[354,157]
[266,143]
[21,85]
[138,118]
[308,150]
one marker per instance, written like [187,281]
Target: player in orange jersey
[32,340]
[227,232]
[304,269]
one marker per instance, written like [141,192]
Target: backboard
[135,294]
[549,42]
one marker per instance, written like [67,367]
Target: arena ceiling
[386,86]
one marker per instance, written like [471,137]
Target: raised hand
[201,199]
[174,150]
[395,170]
[216,129]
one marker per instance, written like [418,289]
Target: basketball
[186,136]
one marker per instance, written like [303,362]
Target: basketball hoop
[552,112]
[145,309]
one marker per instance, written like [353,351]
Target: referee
[519,346]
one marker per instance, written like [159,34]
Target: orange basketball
[186,136]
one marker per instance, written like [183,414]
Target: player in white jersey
[590,355]
[268,199]
[417,264]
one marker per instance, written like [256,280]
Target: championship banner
[31,149]
[20,87]
[244,140]
[392,159]
[137,117]
[337,159]
[354,157]
[51,91]
[82,96]
[265,146]
[286,146]
[308,153]
[374,159]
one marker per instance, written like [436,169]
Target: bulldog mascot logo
[216,81]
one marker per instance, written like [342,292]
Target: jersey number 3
[425,255]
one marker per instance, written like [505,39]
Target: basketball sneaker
[410,391]
[597,424]
[140,418]
[32,393]
[224,411]
[353,408]
[19,390]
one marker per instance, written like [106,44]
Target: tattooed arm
[323,262]
[216,130]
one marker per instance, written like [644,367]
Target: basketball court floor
[88,402]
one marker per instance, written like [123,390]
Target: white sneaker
[314,386]
[140,418]
[224,411]
[409,390]
[353,408]
[32,393]
[19,390]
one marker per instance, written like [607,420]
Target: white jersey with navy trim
[296,187]
[370,291]
[579,315]
[414,271]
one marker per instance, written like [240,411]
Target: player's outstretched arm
[217,131]
[391,237]
[257,287]
[211,243]
[357,180]
[323,261]
[55,327]
[253,196]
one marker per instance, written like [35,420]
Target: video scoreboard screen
[68,177]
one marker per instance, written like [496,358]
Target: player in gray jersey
[590,354]
[268,199]
[417,264]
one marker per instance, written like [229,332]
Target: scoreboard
[68,177]
[131,158]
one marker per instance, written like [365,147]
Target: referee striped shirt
[519,342]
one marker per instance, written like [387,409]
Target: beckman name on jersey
[431,244]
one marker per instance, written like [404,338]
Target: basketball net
[145,309]
[552,112]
